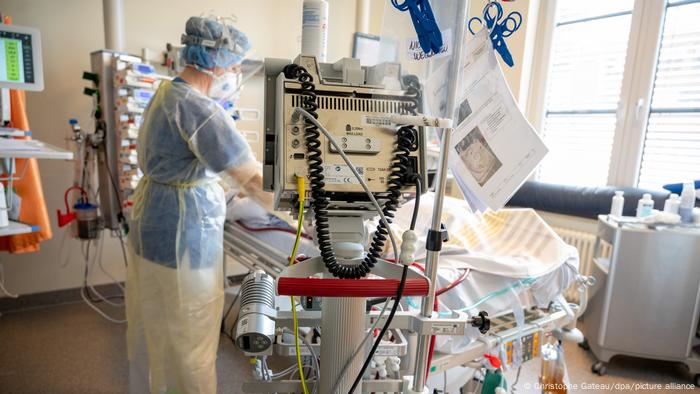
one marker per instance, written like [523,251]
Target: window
[583,90]
[672,141]
[610,119]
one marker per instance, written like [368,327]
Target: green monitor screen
[20,58]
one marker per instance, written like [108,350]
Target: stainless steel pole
[432,257]
[431,270]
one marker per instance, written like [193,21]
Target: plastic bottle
[645,206]
[553,370]
[314,29]
[672,204]
[687,203]
[618,203]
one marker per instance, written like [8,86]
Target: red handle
[64,219]
[69,216]
[317,287]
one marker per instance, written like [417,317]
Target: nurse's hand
[248,179]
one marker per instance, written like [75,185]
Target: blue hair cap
[211,43]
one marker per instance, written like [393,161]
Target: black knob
[482,322]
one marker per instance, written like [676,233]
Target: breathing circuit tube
[406,139]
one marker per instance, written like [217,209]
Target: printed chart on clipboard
[493,148]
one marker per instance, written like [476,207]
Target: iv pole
[434,241]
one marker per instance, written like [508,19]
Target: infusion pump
[353,104]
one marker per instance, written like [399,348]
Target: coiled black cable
[398,178]
[320,201]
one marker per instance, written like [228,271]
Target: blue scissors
[428,32]
[499,28]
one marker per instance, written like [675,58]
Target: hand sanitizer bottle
[645,206]
[687,203]
[618,203]
[672,204]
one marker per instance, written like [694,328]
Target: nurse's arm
[248,179]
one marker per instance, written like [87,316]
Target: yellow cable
[301,191]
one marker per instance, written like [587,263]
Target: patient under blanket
[515,243]
[514,257]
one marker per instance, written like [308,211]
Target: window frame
[637,84]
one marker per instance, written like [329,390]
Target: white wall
[520,44]
[71,29]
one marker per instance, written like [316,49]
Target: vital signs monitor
[20,58]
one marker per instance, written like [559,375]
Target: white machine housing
[353,103]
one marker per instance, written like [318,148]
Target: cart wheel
[599,368]
[584,345]
[696,380]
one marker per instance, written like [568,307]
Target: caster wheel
[584,345]
[599,368]
[696,380]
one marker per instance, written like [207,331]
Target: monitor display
[20,58]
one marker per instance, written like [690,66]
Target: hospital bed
[520,306]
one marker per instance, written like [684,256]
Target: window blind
[583,90]
[672,141]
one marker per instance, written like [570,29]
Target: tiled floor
[70,349]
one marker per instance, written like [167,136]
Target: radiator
[585,243]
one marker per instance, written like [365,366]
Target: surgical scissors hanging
[499,28]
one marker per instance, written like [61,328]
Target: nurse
[175,279]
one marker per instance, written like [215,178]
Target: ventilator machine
[344,146]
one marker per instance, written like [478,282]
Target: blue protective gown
[175,280]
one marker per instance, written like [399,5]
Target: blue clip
[427,30]
[499,28]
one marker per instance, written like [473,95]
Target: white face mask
[224,86]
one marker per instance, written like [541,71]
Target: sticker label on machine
[340,174]
[291,351]
[388,351]
[530,348]
[377,121]
[446,329]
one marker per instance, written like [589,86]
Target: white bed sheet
[490,292]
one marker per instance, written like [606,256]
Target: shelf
[31,149]
[10,132]
[15,228]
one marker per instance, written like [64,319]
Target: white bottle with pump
[618,203]
[672,204]
[645,206]
[687,203]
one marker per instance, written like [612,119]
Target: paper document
[493,147]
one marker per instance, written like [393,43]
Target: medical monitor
[20,58]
